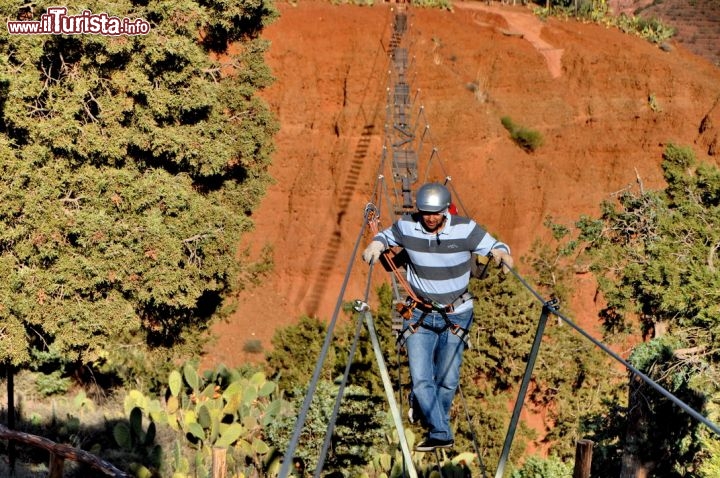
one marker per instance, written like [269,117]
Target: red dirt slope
[606,103]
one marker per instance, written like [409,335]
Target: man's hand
[372,253]
[504,258]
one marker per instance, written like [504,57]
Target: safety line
[390,393]
[341,390]
[472,432]
[398,356]
[692,412]
[300,423]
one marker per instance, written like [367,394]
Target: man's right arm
[383,240]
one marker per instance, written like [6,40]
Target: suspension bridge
[408,159]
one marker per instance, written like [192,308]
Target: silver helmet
[432,197]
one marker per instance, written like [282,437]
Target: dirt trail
[528,27]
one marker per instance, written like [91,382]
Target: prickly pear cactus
[217,409]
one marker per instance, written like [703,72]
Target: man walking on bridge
[439,311]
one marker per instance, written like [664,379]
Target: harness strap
[463,334]
[429,305]
[455,329]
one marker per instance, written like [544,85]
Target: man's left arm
[499,251]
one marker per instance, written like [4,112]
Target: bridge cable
[341,389]
[473,434]
[300,422]
[550,307]
[712,426]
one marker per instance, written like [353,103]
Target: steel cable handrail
[300,422]
[712,426]
[343,384]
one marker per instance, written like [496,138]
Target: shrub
[651,29]
[551,467]
[527,139]
[253,346]
[52,384]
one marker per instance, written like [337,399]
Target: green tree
[654,254]
[296,351]
[129,166]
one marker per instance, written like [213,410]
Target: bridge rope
[312,386]
[697,416]
[341,389]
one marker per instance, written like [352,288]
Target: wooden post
[219,456]
[583,458]
[57,463]
[11,412]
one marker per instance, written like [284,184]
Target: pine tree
[655,255]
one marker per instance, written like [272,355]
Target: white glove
[504,258]
[372,253]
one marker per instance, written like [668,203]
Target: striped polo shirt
[439,266]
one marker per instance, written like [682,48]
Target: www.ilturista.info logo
[57,22]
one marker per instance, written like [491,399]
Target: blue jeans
[435,360]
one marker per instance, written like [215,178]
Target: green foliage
[253,346]
[710,445]
[441,4]
[651,29]
[658,257]
[131,437]
[358,435]
[506,317]
[572,379]
[675,446]
[129,166]
[296,349]
[221,408]
[254,272]
[527,139]
[52,384]
[536,467]
[551,261]
[654,255]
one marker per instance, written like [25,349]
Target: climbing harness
[392,260]
[426,307]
